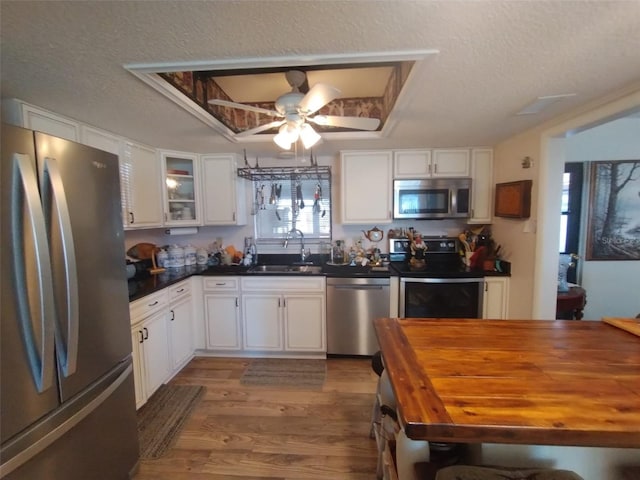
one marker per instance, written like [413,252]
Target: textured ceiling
[495,57]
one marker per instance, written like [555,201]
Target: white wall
[611,285]
[534,256]
[518,237]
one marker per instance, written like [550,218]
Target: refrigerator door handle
[39,345]
[55,196]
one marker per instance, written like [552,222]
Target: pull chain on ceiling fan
[294,109]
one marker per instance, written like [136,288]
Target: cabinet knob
[146,333]
[173,315]
[131,218]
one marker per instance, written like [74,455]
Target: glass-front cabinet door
[182,200]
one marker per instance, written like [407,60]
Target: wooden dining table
[535,382]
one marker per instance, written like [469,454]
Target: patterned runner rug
[285,372]
[162,417]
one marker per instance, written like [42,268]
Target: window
[572,181]
[285,199]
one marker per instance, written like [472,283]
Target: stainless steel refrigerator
[67,405]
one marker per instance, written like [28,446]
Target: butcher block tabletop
[538,382]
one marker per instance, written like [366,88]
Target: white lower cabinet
[151,359]
[161,333]
[262,321]
[222,313]
[155,351]
[304,322]
[180,325]
[496,298]
[284,314]
[137,339]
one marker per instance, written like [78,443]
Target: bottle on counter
[337,255]
[250,252]
[253,251]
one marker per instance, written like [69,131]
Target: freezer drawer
[97,440]
[352,305]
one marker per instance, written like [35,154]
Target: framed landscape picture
[613,231]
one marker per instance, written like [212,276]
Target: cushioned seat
[470,472]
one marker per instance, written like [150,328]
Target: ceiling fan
[295,110]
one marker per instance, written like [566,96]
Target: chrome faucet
[295,231]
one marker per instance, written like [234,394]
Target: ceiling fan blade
[357,123]
[319,95]
[251,108]
[261,128]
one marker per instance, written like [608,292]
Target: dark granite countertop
[145,283]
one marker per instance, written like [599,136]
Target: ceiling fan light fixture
[308,136]
[283,139]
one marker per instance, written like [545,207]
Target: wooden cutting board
[631,325]
[142,251]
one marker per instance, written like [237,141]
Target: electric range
[443,288]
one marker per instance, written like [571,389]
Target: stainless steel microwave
[432,198]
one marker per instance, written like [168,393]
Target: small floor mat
[288,372]
[162,417]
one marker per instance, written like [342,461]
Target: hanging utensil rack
[285,173]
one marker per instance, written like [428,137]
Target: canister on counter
[189,255]
[162,258]
[202,256]
[176,257]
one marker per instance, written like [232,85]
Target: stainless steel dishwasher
[352,304]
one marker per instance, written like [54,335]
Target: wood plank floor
[245,432]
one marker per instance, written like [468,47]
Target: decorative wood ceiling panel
[368,90]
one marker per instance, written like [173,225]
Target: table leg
[409,452]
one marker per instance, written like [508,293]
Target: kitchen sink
[276,269]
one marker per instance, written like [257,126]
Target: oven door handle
[441,280]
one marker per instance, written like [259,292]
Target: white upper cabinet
[181,188]
[223,191]
[28,116]
[140,184]
[450,162]
[482,187]
[431,163]
[100,139]
[366,181]
[412,163]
